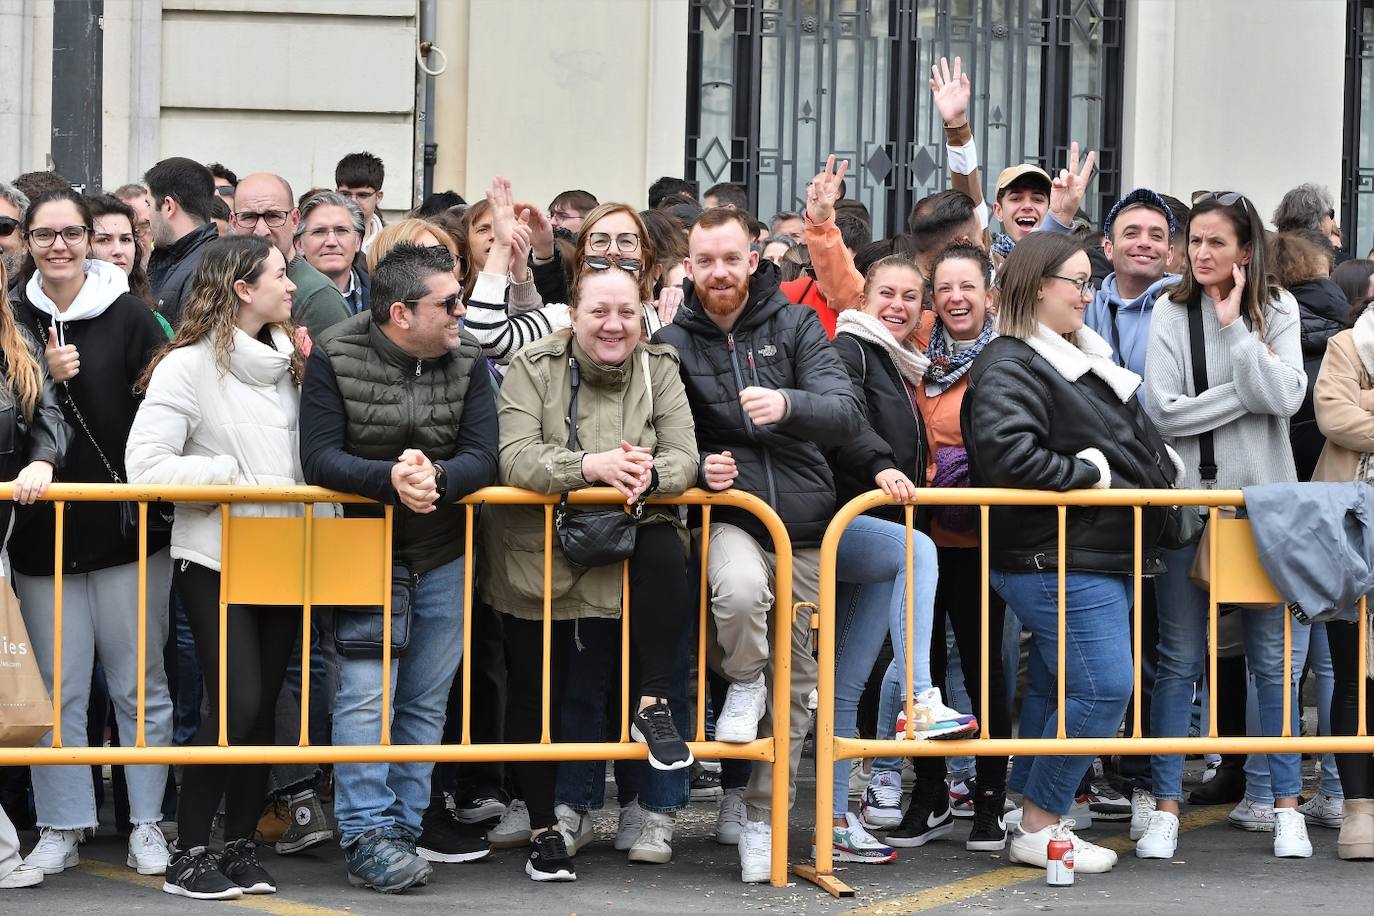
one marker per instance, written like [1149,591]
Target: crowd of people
[200,328]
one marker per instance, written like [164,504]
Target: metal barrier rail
[1239,579]
[317,577]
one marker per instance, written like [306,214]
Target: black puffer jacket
[171,267]
[1324,311]
[893,433]
[1023,425]
[774,344]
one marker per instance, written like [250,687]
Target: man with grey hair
[14,203]
[329,237]
[1308,206]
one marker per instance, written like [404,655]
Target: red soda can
[1059,863]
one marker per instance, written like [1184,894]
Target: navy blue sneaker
[383,861]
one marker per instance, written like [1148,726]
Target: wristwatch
[440,480]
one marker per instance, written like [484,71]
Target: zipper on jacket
[923,445]
[767,458]
[417,368]
[739,384]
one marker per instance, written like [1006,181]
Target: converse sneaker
[479,806]
[147,850]
[1290,834]
[730,818]
[961,794]
[1142,806]
[240,864]
[1160,839]
[653,726]
[1324,811]
[655,841]
[631,823]
[513,830]
[755,852]
[549,859]
[1031,849]
[382,861]
[576,827]
[744,706]
[55,850]
[195,873]
[927,818]
[989,833]
[444,838]
[705,784]
[882,802]
[1252,815]
[933,720]
[308,826]
[1107,804]
[22,876]
[852,843]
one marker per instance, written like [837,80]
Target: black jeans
[1357,770]
[957,598]
[261,640]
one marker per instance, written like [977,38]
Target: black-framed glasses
[601,241]
[450,304]
[44,237]
[358,195]
[1085,287]
[275,219]
[629,265]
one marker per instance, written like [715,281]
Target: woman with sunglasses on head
[1252,350]
[96,337]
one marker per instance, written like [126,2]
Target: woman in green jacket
[634,432]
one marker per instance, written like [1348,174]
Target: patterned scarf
[1002,245]
[947,367]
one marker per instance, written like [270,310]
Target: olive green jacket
[613,403]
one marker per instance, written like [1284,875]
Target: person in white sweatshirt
[221,407]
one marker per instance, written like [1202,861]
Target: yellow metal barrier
[1237,578]
[309,561]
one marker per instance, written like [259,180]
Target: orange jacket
[806,291]
[840,281]
[941,414]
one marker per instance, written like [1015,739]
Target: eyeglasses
[629,265]
[451,304]
[601,241]
[44,237]
[7,226]
[142,229]
[358,195]
[275,219]
[564,215]
[224,190]
[320,233]
[1085,287]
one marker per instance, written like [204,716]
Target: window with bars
[1357,164]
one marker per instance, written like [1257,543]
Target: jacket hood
[255,363]
[1322,298]
[1145,300]
[104,284]
[764,300]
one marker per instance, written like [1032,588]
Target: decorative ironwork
[1357,161]
[777,85]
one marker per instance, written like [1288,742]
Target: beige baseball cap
[1020,171]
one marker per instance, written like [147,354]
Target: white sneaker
[1290,834]
[513,830]
[1080,817]
[1142,806]
[858,779]
[23,875]
[730,819]
[55,850]
[933,720]
[655,841]
[1252,815]
[576,827]
[755,851]
[1211,763]
[148,850]
[852,843]
[882,803]
[738,719]
[1031,849]
[631,823]
[1160,839]
[1324,811]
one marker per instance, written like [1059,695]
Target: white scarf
[103,285]
[1087,353]
[1364,340]
[911,363]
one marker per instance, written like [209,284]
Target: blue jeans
[870,604]
[1319,663]
[373,795]
[1258,776]
[1182,652]
[1098,676]
[188,690]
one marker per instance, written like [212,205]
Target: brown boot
[1357,831]
[274,822]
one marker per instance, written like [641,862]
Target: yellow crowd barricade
[1237,578]
[327,562]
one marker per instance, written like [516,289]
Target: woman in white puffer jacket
[221,408]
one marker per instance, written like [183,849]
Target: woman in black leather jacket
[33,433]
[1048,409]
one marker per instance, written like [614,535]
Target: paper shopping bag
[25,707]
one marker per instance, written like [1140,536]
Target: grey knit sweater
[1254,385]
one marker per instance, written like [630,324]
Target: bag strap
[648,381]
[572,404]
[89,435]
[1207,456]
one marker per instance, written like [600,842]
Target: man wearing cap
[1137,234]
[1027,200]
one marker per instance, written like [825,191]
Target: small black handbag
[593,537]
[358,630]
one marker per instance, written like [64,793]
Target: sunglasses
[450,304]
[224,190]
[1225,198]
[629,265]
[7,226]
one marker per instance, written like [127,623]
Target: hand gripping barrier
[1237,578]
[325,562]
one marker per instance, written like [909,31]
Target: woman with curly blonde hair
[221,407]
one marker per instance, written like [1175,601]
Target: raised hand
[1068,187]
[541,230]
[520,248]
[951,91]
[502,211]
[1228,309]
[824,190]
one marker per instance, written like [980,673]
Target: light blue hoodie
[1131,336]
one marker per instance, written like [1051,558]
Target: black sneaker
[444,838]
[989,833]
[239,863]
[654,726]
[195,873]
[549,859]
[481,805]
[927,817]
[705,784]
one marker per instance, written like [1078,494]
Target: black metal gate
[777,85]
[1357,163]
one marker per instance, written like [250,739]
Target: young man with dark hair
[182,191]
[567,210]
[225,181]
[353,428]
[360,176]
[725,194]
[668,186]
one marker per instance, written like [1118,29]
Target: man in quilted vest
[398,406]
